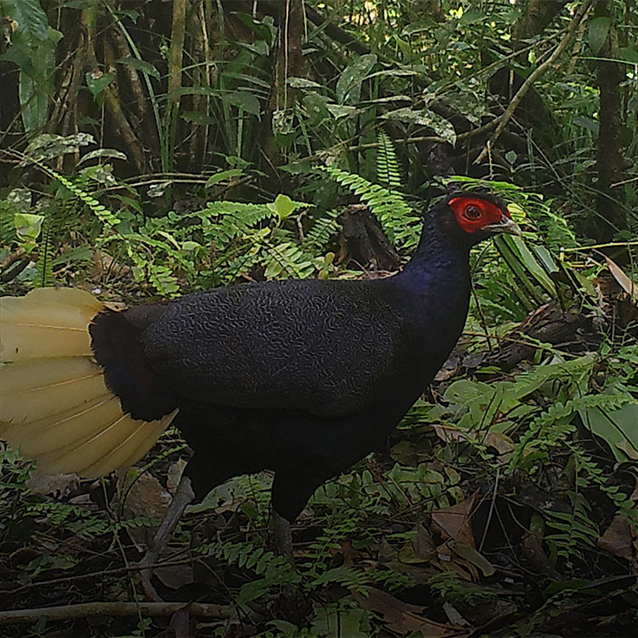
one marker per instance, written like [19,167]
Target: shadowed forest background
[152,148]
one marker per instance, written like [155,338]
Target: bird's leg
[291,489]
[183,496]
[282,535]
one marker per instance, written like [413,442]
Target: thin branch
[101,610]
[535,75]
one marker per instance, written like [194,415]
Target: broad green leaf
[629,54]
[302,83]
[545,258]
[315,106]
[28,227]
[34,101]
[223,176]
[141,65]
[586,123]
[526,262]
[98,81]
[48,145]
[243,100]
[252,590]
[597,32]
[472,16]
[103,152]
[20,199]
[473,556]
[425,117]
[283,206]
[197,117]
[619,428]
[265,28]
[341,110]
[260,47]
[30,18]
[349,83]
[33,50]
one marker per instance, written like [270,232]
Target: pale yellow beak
[506,225]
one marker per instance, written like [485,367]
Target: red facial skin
[473,213]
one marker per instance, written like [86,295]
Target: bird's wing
[323,347]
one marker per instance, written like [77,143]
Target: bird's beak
[506,225]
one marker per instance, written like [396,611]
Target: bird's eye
[472,212]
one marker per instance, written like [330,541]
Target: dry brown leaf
[499,441]
[174,475]
[474,557]
[537,559]
[449,434]
[403,618]
[146,497]
[349,553]
[629,286]
[425,545]
[618,539]
[59,485]
[454,522]
[183,624]
[175,576]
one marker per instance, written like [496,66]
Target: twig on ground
[100,609]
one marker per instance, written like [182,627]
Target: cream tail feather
[54,404]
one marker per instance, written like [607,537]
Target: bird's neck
[440,265]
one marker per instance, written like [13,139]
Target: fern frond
[288,259]
[99,210]
[323,230]
[44,266]
[7,224]
[399,221]
[388,170]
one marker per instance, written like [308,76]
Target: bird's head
[477,216]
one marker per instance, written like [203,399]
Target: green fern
[287,259]
[100,211]
[44,267]
[398,220]
[274,570]
[225,221]
[573,529]
[323,230]
[388,169]
[7,224]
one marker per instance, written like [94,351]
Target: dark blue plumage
[302,377]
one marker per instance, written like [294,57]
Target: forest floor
[432,536]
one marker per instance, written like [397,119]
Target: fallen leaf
[473,556]
[145,497]
[175,576]
[454,522]
[537,559]
[629,286]
[403,618]
[499,441]
[174,475]
[425,545]
[618,539]
[58,485]
[183,624]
